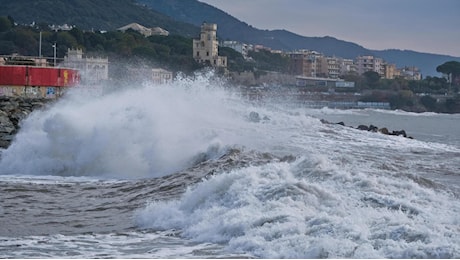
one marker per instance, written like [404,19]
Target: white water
[142,132]
[348,193]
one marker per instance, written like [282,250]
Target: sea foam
[310,209]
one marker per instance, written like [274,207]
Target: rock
[12,111]
[384,131]
[373,128]
[363,127]
[399,133]
[341,123]
[254,117]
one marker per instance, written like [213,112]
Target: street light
[54,46]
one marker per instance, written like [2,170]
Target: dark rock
[363,127]
[384,131]
[254,117]
[373,128]
[399,133]
[12,111]
[341,123]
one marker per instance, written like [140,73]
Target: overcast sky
[431,26]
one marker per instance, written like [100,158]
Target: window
[198,53]
[207,53]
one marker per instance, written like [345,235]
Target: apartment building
[347,66]
[391,72]
[410,73]
[206,49]
[333,67]
[370,63]
[305,63]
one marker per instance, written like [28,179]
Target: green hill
[184,17]
[91,14]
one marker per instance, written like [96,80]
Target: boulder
[363,127]
[384,131]
[373,128]
[254,117]
[399,133]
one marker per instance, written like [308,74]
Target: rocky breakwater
[12,111]
[375,129]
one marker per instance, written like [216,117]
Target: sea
[193,169]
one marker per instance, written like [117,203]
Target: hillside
[92,14]
[195,12]
[184,17]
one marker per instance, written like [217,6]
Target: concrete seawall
[12,111]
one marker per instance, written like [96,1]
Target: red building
[34,81]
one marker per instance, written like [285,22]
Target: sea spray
[139,132]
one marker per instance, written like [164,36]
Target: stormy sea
[191,169]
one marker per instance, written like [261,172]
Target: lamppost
[40,46]
[54,46]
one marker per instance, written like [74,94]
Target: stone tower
[205,49]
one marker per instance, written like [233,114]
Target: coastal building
[240,47]
[206,49]
[391,72]
[302,81]
[305,63]
[144,30]
[410,73]
[347,66]
[92,69]
[333,67]
[370,63]
[161,76]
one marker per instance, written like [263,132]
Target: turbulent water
[185,170]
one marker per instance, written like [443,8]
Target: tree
[429,102]
[451,68]
[5,24]
[372,78]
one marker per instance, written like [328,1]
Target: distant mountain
[195,12]
[92,14]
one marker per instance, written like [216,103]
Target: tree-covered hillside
[91,14]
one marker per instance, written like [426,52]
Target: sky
[431,26]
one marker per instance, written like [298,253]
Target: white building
[206,49]
[92,69]
[144,30]
[240,47]
[347,66]
[161,76]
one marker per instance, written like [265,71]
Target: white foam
[312,209]
[142,132]
[112,245]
